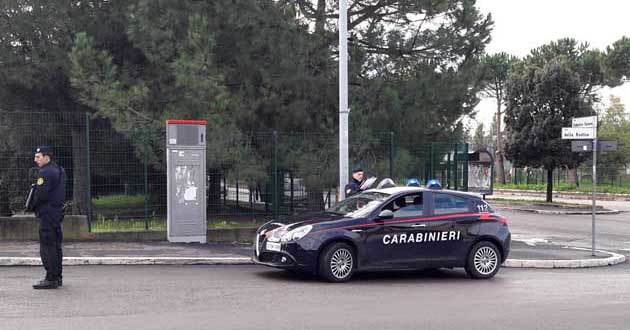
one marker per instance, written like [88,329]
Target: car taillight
[504,221]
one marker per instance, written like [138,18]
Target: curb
[614,259]
[81,261]
[557,212]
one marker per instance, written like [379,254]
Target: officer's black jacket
[352,187]
[50,187]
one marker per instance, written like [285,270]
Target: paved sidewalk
[123,249]
[117,253]
[12,253]
[526,254]
[620,205]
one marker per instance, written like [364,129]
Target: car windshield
[359,205]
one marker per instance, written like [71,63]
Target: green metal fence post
[252,191]
[465,177]
[276,206]
[89,175]
[146,194]
[449,170]
[224,188]
[456,160]
[558,176]
[431,174]
[146,183]
[391,155]
[292,194]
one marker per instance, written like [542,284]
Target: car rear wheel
[337,262]
[484,260]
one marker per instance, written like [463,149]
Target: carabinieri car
[389,229]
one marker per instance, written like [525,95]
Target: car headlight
[296,233]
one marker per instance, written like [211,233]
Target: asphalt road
[612,230]
[255,297]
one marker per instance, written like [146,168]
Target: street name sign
[584,122]
[586,146]
[581,146]
[606,146]
[579,133]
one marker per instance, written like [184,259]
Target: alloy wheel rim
[486,260]
[341,263]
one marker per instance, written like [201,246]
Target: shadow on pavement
[426,276]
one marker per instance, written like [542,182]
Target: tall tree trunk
[320,20]
[499,154]
[573,177]
[80,173]
[549,185]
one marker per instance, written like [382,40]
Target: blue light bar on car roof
[434,184]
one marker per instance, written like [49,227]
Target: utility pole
[343,97]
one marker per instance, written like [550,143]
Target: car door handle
[419,225]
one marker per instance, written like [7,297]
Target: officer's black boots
[46,284]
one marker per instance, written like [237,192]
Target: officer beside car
[47,203]
[354,186]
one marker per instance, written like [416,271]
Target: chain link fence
[611,178]
[251,178]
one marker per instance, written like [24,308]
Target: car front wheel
[484,260]
[337,262]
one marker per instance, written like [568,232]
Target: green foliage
[35,39]
[614,125]
[618,59]
[118,201]
[102,225]
[495,72]
[189,81]
[556,82]
[249,67]
[541,100]
[591,65]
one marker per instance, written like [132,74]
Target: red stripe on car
[483,216]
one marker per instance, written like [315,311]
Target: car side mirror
[386,214]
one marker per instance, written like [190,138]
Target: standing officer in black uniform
[48,206]
[354,186]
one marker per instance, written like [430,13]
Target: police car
[390,229]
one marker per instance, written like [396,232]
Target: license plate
[271,246]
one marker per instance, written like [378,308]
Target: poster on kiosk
[186,184]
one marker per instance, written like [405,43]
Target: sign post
[594,192]
[585,128]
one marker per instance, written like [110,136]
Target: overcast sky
[520,25]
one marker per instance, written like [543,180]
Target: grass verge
[584,188]
[138,225]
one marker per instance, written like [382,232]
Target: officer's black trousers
[50,237]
